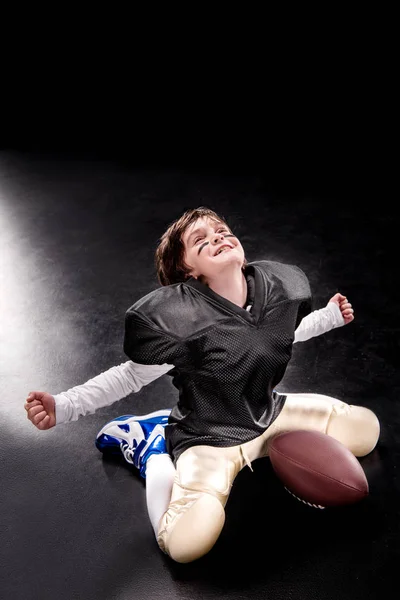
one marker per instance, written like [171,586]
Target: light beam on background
[37,333]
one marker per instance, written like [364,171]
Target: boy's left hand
[345,307]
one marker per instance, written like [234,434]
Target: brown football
[317,469]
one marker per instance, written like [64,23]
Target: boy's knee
[356,427]
[193,530]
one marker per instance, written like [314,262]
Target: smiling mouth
[223,249]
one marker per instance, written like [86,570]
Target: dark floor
[78,234]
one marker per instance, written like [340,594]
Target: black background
[100,151]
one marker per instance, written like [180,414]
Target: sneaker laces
[127,452]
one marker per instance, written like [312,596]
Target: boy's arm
[105,389]
[45,410]
[337,312]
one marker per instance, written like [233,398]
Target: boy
[224,330]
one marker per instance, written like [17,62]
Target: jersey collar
[255,292]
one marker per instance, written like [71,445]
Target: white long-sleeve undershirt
[120,381]
[318,322]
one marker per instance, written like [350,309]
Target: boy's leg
[188,523]
[195,516]
[141,442]
[356,427]
[160,475]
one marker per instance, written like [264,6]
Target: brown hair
[169,259]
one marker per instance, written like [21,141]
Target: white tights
[160,474]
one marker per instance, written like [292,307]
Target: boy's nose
[217,237]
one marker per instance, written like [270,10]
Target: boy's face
[203,241]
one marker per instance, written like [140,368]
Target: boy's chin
[228,266]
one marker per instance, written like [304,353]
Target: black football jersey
[227,360]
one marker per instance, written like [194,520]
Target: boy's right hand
[41,409]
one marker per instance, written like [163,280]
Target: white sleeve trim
[318,322]
[105,389]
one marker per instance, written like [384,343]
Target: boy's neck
[232,286]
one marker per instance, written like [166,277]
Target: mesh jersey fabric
[227,360]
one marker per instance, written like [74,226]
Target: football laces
[304,501]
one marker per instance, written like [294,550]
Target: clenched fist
[41,409]
[345,307]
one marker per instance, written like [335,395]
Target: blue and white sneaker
[136,438]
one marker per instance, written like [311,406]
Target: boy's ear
[190,274]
